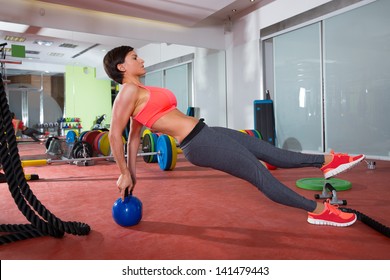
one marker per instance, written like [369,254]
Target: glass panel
[154,79]
[297,96]
[357,80]
[177,80]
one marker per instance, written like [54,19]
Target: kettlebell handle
[127,192]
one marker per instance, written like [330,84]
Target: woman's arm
[132,149]
[16,124]
[122,111]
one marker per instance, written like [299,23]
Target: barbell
[166,154]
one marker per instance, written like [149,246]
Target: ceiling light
[56,54]
[43,43]
[68,45]
[14,38]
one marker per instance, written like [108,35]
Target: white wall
[244,73]
[229,102]
[209,77]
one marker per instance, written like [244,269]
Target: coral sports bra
[160,102]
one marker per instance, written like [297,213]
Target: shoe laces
[333,208]
[338,154]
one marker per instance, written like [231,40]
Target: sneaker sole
[329,223]
[342,168]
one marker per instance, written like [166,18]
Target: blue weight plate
[71,137]
[164,149]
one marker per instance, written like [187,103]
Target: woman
[216,147]
[19,126]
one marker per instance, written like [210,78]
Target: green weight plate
[149,142]
[257,134]
[317,184]
[164,149]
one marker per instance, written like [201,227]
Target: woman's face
[133,65]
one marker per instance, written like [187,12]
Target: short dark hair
[112,59]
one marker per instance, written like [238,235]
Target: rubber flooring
[194,213]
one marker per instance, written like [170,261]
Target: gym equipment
[128,212]
[329,188]
[370,164]
[149,141]
[71,136]
[43,222]
[332,195]
[167,152]
[82,156]
[265,120]
[381,228]
[317,184]
[167,147]
[360,216]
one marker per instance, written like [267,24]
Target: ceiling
[57,32]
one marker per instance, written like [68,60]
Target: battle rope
[43,222]
[368,221]
[362,217]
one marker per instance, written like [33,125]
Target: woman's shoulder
[130,87]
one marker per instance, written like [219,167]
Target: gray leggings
[238,154]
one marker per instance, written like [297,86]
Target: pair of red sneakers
[331,215]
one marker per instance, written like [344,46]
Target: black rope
[385,230]
[362,217]
[43,222]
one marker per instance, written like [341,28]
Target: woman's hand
[125,185]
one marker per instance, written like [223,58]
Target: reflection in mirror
[36,99]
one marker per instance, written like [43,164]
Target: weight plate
[174,152]
[74,148]
[257,134]
[249,132]
[82,135]
[48,141]
[71,136]
[149,143]
[146,131]
[164,149]
[90,136]
[104,145]
[95,145]
[317,184]
[83,150]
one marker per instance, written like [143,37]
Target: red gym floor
[194,213]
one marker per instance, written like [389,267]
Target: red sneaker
[332,216]
[340,163]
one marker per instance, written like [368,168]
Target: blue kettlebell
[128,212]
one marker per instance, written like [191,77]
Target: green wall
[85,96]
